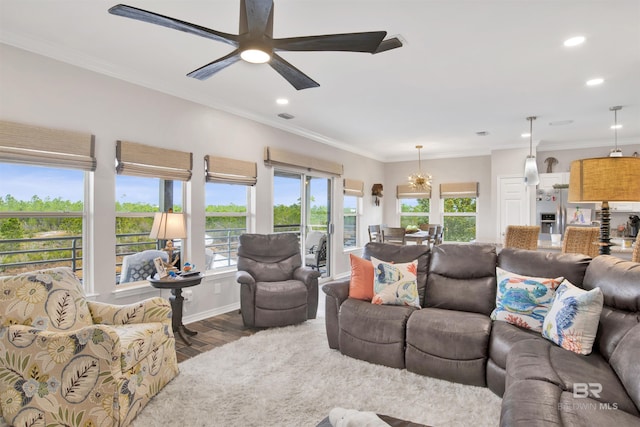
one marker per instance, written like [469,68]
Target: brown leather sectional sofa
[453,338]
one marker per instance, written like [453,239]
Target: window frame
[459,214]
[357,215]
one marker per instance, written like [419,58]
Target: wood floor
[213,332]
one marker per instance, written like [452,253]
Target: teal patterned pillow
[572,321]
[395,284]
[523,300]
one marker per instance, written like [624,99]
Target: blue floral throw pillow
[395,284]
[572,321]
[523,300]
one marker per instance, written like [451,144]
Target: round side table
[177,300]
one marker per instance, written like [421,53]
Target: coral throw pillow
[572,321]
[361,283]
[395,284]
[522,300]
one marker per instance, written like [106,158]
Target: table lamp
[168,226]
[605,179]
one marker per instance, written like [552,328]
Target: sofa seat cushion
[137,340]
[448,344]
[537,403]
[375,333]
[281,295]
[544,361]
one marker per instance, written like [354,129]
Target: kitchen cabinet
[621,206]
[548,180]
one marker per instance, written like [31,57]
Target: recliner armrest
[244,278]
[306,275]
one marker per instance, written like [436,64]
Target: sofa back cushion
[402,254]
[269,257]
[619,281]
[462,277]
[544,264]
[51,299]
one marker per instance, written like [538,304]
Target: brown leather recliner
[275,288]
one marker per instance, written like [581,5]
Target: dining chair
[522,236]
[581,240]
[439,232]
[374,233]
[394,235]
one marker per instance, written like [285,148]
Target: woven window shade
[275,156]
[230,171]
[353,187]
[152,162]
[404,191]
[21,143]
[458,189]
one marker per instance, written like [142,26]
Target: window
[414,205]
[350,206]
[137,200]
[459,211]
[150,180]
[353,193]
[227,208]
[226,213]
[43,211]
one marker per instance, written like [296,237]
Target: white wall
[463,169]
[40,91]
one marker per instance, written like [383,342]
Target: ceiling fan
[256,44]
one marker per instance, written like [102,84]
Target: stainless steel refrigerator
[554,213]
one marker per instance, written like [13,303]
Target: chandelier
[420,180]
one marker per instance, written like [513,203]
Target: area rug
[288,377]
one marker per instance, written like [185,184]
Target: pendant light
[616,152]
[531,176]
[420,180]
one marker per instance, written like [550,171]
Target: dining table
[419,237]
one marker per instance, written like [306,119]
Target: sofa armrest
[306,275]
[155,309]
[338,289]
[337,292]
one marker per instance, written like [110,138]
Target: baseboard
[210,313]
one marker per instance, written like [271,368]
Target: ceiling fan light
[255,56]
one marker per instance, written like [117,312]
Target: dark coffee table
[177,300]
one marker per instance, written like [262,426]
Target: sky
[22,182]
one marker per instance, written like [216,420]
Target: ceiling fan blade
[349,42]
[176,24]
[392,43]
[256,17]
[297,78]
[211,68]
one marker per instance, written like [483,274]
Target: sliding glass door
[302,205]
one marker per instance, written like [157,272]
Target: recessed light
[525,135]
[595,82]
[561,123]
[574,41]
[618,126]
[282,101]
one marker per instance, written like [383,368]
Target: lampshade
[167,226]
[611,179]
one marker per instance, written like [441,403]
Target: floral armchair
[65,360]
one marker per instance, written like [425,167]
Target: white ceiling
[467,66]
